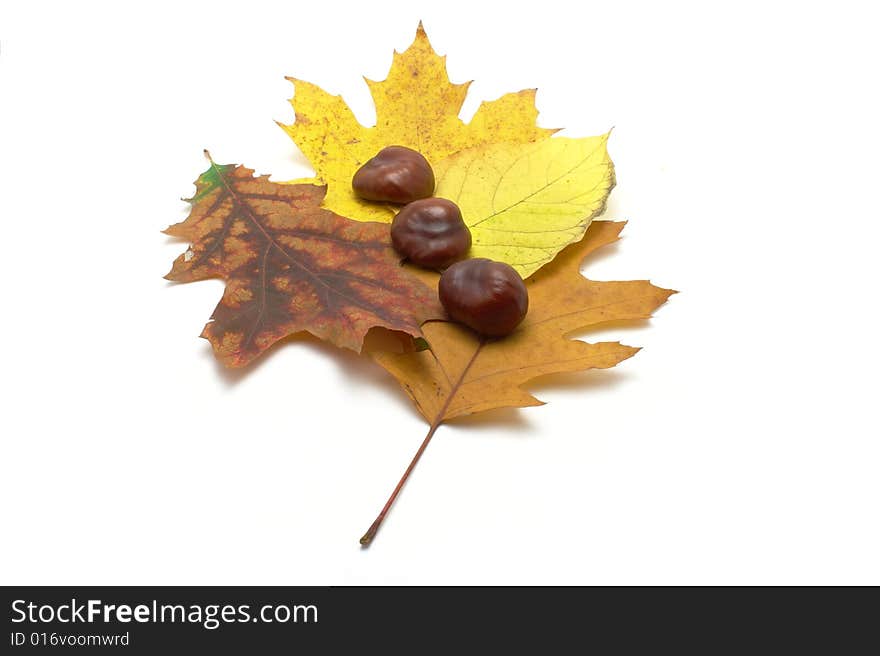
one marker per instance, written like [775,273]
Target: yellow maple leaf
[416,106]
[524,203]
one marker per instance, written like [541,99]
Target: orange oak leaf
[291,266]
[463,373]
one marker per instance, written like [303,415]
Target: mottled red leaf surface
[291,266]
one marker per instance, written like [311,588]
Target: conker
[488,296]
[395,175]
[430,232]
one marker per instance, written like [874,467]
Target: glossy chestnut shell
[489,297]
[395,175]
[430,232]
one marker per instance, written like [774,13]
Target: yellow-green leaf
[526,202]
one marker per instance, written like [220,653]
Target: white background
[740,446]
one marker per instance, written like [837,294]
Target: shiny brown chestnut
[488,296]
[430,232]
[395,175]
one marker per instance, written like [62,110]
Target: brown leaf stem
[367,538]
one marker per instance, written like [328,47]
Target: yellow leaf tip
[421,39]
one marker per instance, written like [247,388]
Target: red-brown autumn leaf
[291,266]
